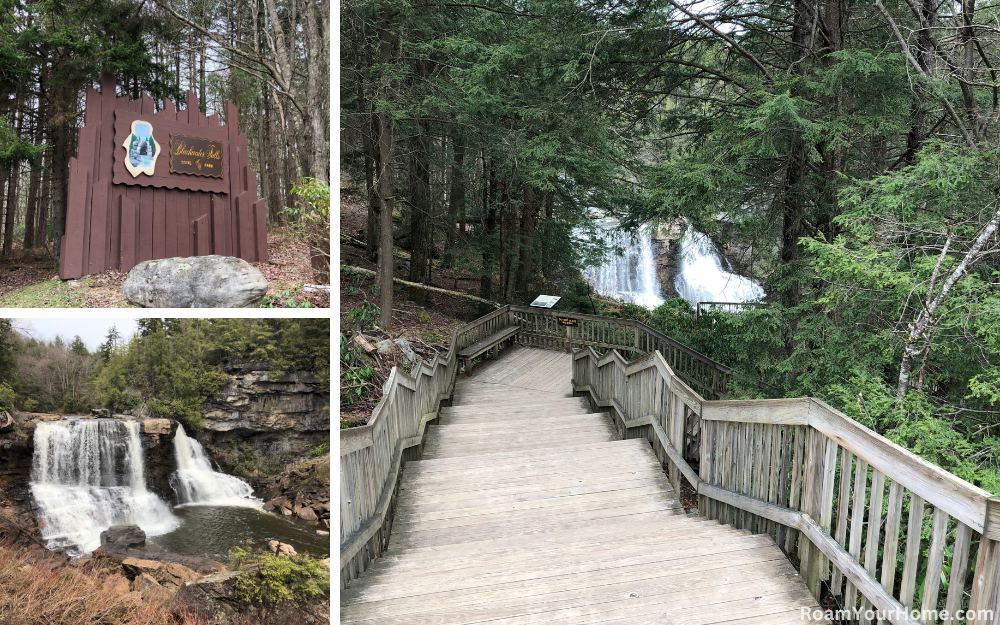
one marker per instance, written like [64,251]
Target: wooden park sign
[148,185]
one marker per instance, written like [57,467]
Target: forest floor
[33,281]
[426,328]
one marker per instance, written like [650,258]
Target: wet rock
[279,548]
[195,282]
[156,426]
[306,513]
[150,589]
[134,567]
[202,566]
[174,575]
[124,535]
[404,346]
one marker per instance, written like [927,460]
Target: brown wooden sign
[195,156]
[568,321]
[125,204]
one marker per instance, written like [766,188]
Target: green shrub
[6,397]
[319,451]
[188,412]
[266,579]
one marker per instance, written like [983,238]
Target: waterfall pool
[211,531]
[87,475]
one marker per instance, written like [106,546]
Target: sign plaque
[195,156]
[568,321]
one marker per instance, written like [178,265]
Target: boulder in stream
[196,282]
[124,535]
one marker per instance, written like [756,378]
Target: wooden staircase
[526,508]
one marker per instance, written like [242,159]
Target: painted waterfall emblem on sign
[142,149]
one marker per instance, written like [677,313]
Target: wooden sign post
[147,185]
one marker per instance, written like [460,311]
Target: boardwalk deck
[527,509]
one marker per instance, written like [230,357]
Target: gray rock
[404,346]
[124,535]
[195,282]
[384,346]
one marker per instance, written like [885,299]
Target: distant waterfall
[631,276]
[196,482]
[701,277]
[86,476]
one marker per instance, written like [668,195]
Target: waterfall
[630,276]
[701,277]
[86,476]
[196,482]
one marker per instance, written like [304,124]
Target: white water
[701,277]
[86,476]
[196,482]
[630,276]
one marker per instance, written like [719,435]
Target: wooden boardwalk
[527,509]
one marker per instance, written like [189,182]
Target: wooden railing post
[817,502]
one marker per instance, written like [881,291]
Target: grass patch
[268,580]
[48,294]
[31,593]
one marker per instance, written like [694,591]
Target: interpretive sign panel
[129,201]
[196,156]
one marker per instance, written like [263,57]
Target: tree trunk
[12,205]
[456,197]
[60,173]
[44,201]
[369,143]
[386,264]
[32,207]
[925,58]
[420,203]
[486,271]
[529,218]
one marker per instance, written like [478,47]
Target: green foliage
[6,397]
[310,216]
[187,411]
[355,373]
[269,580]
[320,450]
[364,317]
[174,365]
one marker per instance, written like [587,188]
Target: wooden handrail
[371,456]
[816,481]
[541,328]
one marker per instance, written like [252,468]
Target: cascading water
[86,476]
[196,482]
[701,277]
[630,276]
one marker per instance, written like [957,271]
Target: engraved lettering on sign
[195,156]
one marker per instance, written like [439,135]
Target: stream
[87,475]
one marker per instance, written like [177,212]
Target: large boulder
[124,535]
[195,282]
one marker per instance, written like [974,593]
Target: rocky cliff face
[264,421]
[260,420]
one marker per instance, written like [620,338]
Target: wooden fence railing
[371,456]
[729,307]
[872,524]
[541,328]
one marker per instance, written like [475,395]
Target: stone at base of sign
[195,282]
